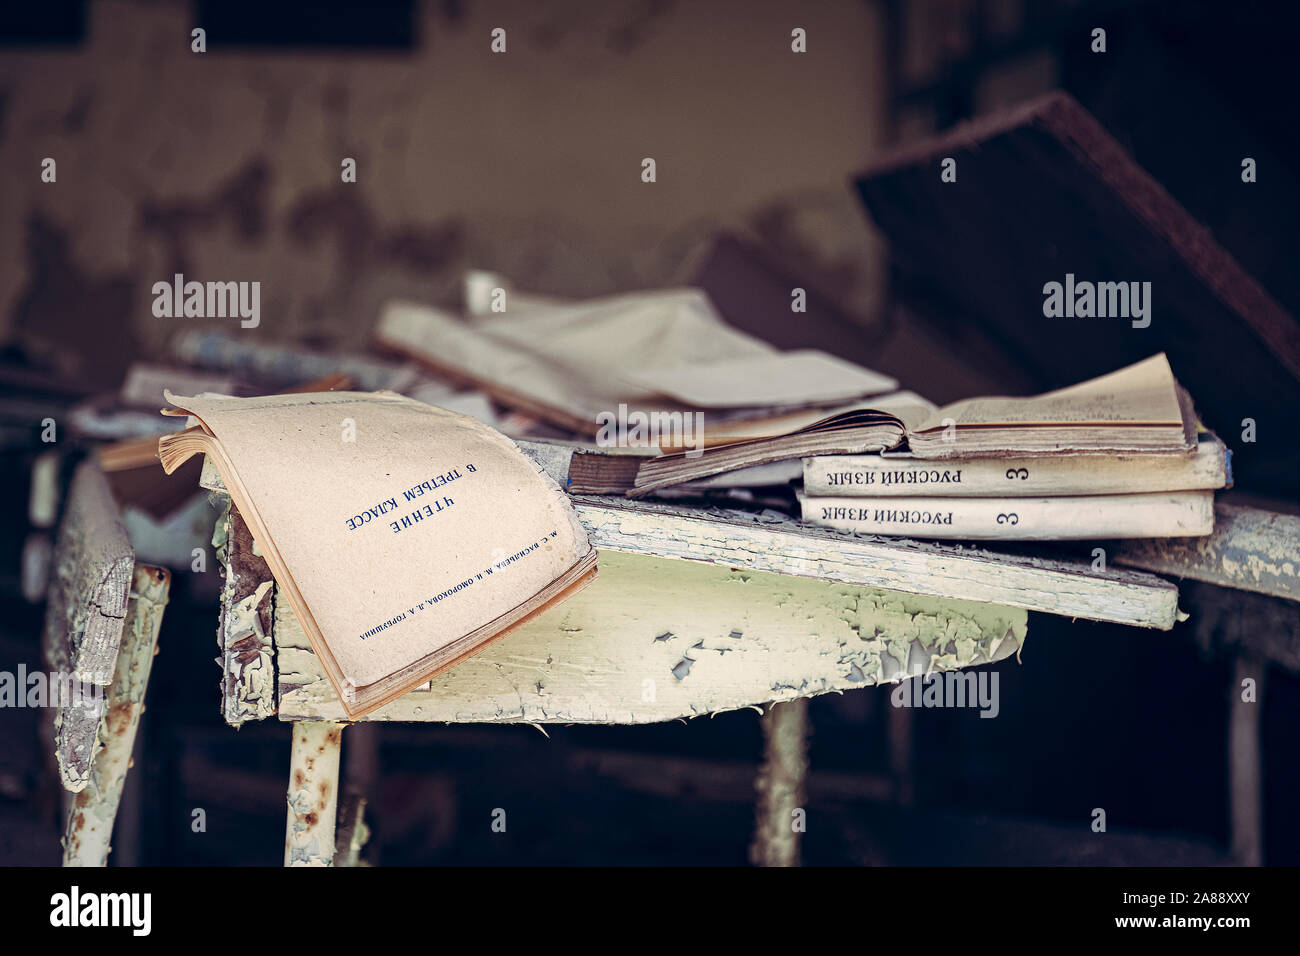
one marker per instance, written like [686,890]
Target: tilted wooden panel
[93,562]
[781,544]
[84,616]
[89,829]
[656,639]
[244,627]
[1250,549]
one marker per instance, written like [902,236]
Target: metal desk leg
[313,794]
[781,785]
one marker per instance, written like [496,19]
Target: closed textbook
[1155,515]
[404,537]
[876,476]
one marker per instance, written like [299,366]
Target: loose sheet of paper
[800,377]
[571,358]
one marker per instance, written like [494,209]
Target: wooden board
[1250,550]
[84,617]
[244,627]
[93,562]
[775,542]
[655,639]
[1043,190]
[90,821]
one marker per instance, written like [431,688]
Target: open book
[1136,410]
[405,537]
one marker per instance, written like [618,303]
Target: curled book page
[405,537]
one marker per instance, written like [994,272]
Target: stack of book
[1119,456]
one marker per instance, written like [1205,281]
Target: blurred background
[226,165]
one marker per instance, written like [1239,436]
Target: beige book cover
[404,536]
[1182,514]
[880,476]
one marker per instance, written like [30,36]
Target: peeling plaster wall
[225,165]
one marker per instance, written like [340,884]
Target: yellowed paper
[800,377]
[1141,394]
[904,408]
[404,527]
[565,363]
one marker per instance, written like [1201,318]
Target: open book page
[403,526]
[869,426]
[1141,394]
[800,377]
[902,408]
